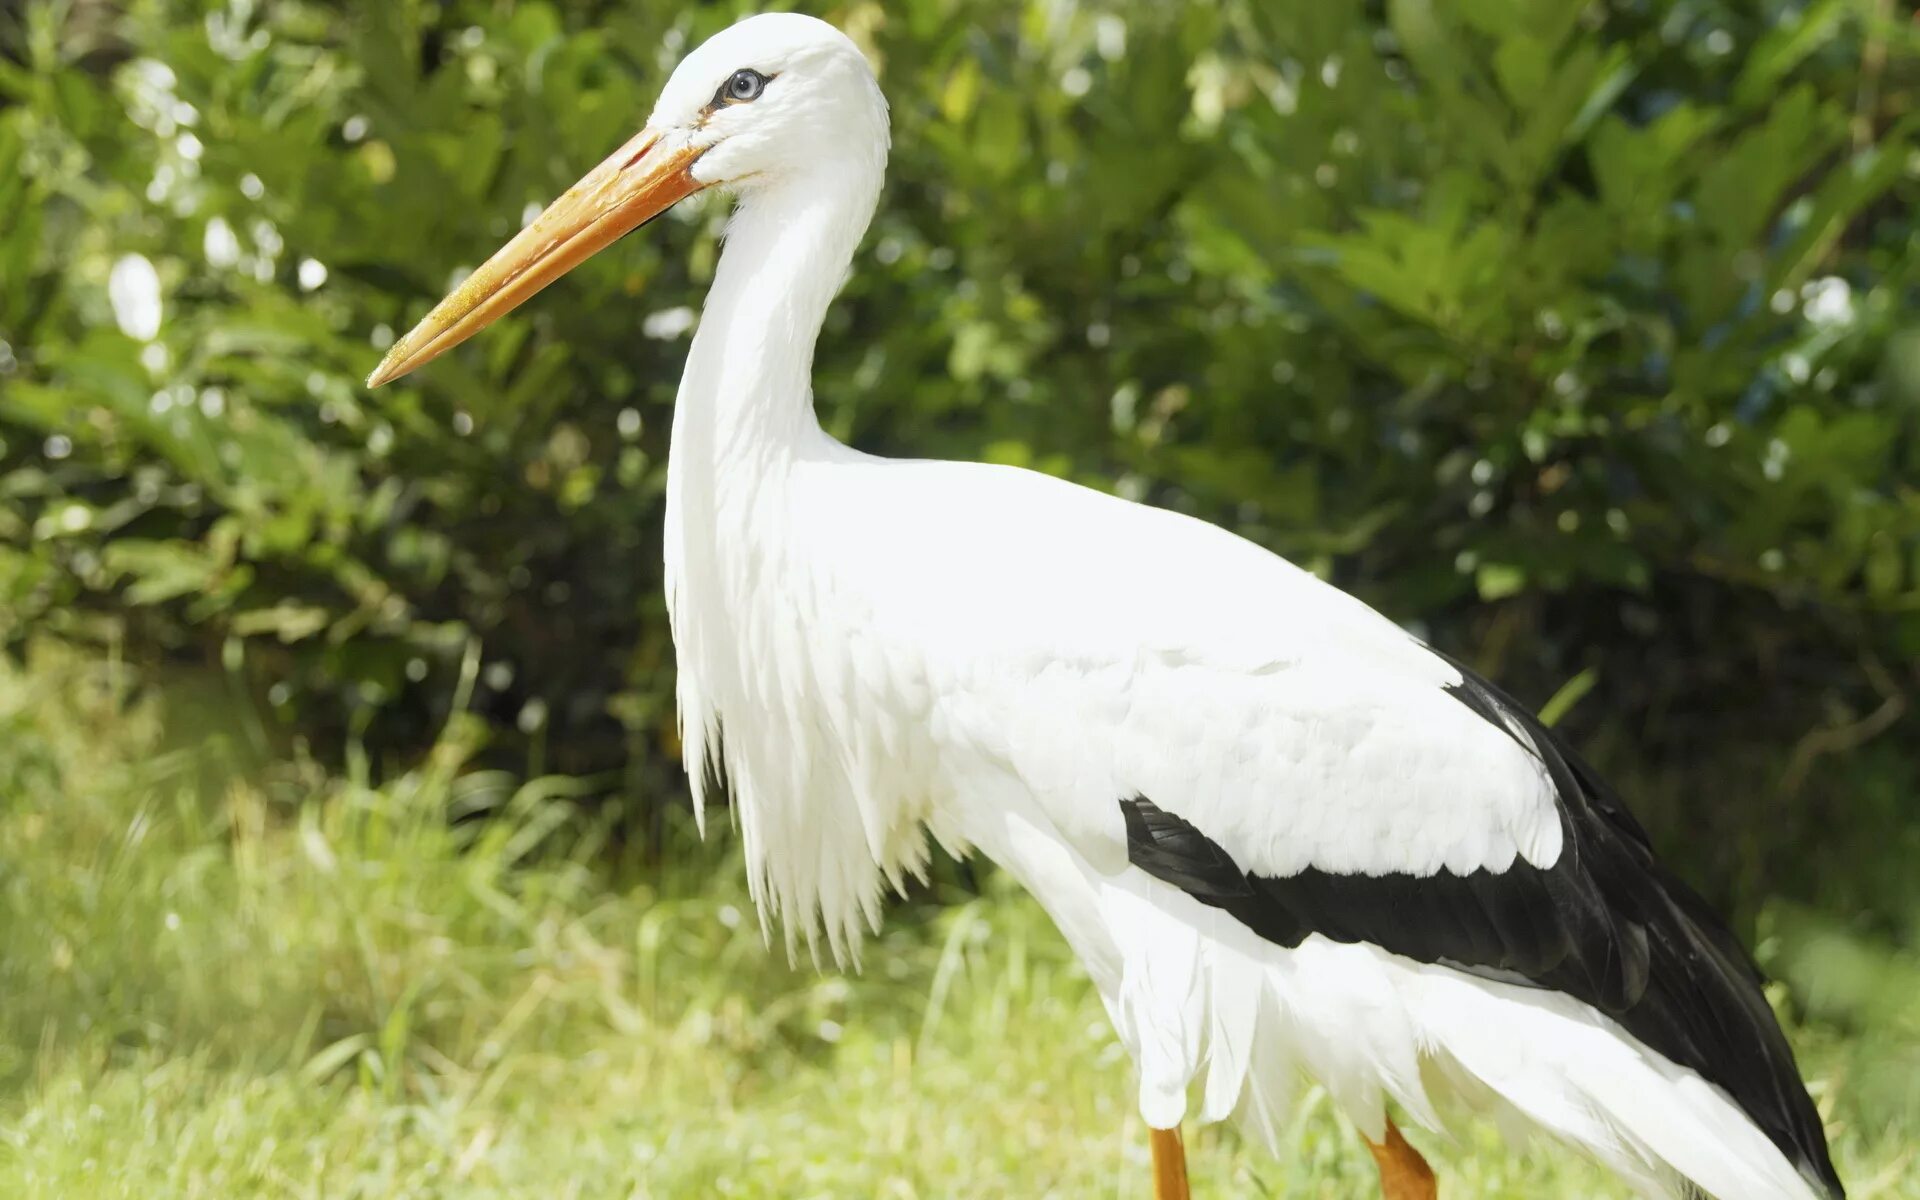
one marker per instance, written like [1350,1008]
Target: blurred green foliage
[1576,334]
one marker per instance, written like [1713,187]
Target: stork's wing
[1600,920]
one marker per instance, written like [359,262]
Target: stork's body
[1283,835]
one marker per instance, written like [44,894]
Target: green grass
[271,982]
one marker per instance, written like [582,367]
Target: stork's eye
[744,85]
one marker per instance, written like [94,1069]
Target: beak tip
[386,372]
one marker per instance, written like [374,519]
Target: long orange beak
[635,184]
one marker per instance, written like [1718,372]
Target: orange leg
[1169,1165]
[1404,1175]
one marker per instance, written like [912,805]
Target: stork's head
[773,100]
[774,97]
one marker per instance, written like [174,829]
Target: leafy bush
[1575,333]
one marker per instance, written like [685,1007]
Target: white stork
[1284,836]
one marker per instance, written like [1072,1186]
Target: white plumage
[872,651]
[916,633]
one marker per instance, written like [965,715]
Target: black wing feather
[1606,923]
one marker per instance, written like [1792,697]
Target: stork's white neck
[736,585]
[747,393]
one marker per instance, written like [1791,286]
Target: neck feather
[744,416]
[747,392]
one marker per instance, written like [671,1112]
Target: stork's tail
[1577,1074]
